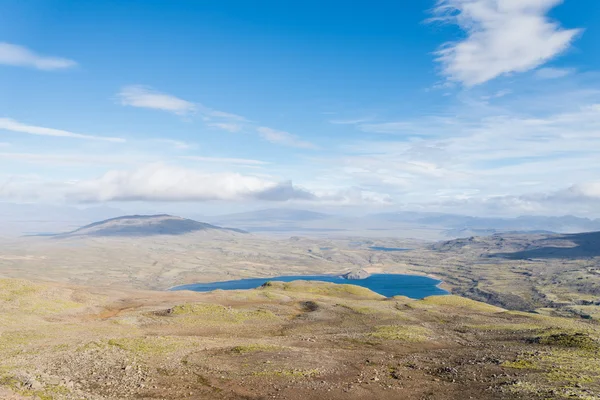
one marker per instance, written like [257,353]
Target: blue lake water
[377,248]
[413,286]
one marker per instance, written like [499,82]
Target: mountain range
[19,219]
[433,225]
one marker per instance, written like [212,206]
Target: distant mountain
[413,224]
[456,223]
[468,232]
[273,215]
[145,225]
[527,246]
[578,245]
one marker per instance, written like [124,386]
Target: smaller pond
[377,248]
[413,286]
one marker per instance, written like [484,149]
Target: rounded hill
[146,225]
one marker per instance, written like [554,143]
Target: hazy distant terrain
[30,219]
[24,219]
[158,252]
[419,225]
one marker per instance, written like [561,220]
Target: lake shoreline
[388,285]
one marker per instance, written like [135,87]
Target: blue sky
[470,106]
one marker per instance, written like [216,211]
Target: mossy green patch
[52,392]
[574,340]
[13,289]
[152,345]
[520,364]
[552,322]
[323,289]
[218,313]
[44,307]
[458,302]
[507,327]
[34,299]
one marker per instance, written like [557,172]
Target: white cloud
[166,183]
[12,54]
[586,191]
[159,182]
[227,126]
[225,160]
[11,125]
[177,144]
[503,37]
[283,138]
[581,199]
[146,97]
[50,160]
[223,115]
[493,157]
[553,73]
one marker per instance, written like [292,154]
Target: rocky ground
[84,324]
[301,340]
[549,274]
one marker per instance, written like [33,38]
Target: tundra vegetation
[89,318]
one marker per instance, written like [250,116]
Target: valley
[89,316]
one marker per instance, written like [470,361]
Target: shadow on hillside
[579,245]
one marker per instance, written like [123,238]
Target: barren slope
[302,340]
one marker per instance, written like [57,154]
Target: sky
[481,107]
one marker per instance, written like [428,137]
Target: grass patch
[219,313]
[13,289]
[571,366]
[507,327]
[44,307]
[155,345]
[323,289]
[29,298]
[554,322]
[572,340]
[52,392]
[406,333]
[519,364]
[456,301]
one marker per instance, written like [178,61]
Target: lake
[413,286]
[378,248]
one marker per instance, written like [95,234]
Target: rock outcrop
[356,275]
